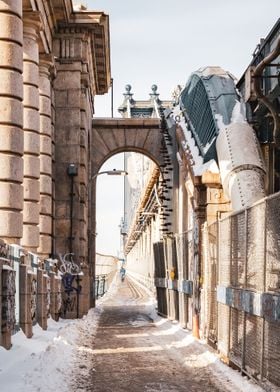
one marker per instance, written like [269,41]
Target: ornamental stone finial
[128,90]
[154,89]
[154,94]
[128,94]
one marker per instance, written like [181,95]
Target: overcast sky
[162,42]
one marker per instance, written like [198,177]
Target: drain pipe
[257,75]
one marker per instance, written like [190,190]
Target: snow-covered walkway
[121,345]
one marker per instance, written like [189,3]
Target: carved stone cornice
[92,28]
[47,65]
[32,24]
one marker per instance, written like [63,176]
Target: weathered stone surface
[10,27]
[45,224]
[11,196]
[45,204]
[10,224]
[45,145]
[11,83]
[31,189]
[31,166]
[31,212]
[31,96]
[11,111]
[14,6]
[45,244]
[30,74]
[71,79]
[45,86]
[31,142]
[11,139]
[11,168]
[46,185]
[30,237]
[31,119]
[45,164]
[30,47]
[45,125]
[45,106]
[11,53]
[68,118]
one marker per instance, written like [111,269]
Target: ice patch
[238,112]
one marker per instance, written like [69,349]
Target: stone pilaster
[45,218]
[30,239]
[11,135]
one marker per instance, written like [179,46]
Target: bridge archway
[112,136]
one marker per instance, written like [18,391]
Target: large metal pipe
[241,165]
[257,75]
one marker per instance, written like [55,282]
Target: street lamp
[113,172]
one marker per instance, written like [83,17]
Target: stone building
[54,60]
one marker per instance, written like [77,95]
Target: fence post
[243,364]
[26,304]
[42,299]
[264,285]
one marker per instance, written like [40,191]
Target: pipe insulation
[241,165]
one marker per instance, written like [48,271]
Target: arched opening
[130,218]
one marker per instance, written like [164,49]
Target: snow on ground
[46,362]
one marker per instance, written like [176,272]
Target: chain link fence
[241,259]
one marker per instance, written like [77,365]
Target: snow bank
[44,362]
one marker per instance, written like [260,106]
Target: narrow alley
[133,349]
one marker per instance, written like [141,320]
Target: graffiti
[8,301]
[33,300]
[72,290]
[69,304]
[48,297]
[4,249]
[68,266]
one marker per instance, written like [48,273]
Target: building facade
[54,60]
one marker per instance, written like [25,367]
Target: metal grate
[253,345]
[197,106]
[236,336]
[210,273]
[224,252]
[238,250]
[273,245]
[249,269]
[271,351]
[223,329]
[256,247]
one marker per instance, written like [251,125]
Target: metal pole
[112,97]
[71,215]
[78,295]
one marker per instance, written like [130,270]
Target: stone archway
[113,136]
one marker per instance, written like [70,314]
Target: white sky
[162,42]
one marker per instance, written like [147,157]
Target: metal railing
[102,283]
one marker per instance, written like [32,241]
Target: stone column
[45,218]
[11,135]
[31,118]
